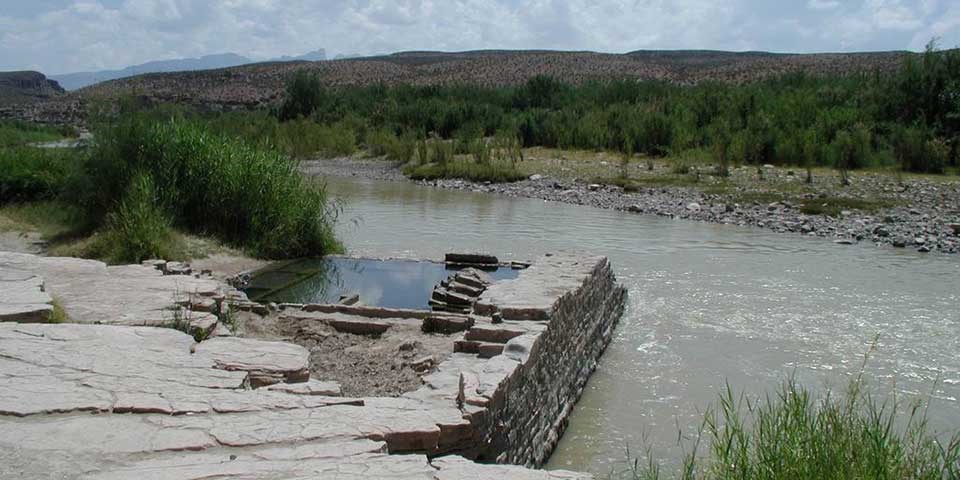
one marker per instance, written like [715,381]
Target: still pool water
[379,283]
[709,305]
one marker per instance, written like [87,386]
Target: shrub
[211,184]
[916,151]
[35,174]
[304,95]
[139,228]
[303,138]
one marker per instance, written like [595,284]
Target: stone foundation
[527,413]
[167,407]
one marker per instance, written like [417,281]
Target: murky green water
[709,304]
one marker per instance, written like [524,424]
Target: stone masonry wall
[527,413]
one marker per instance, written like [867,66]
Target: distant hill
[262,83]
[318,55]
[27,86]
[74,81]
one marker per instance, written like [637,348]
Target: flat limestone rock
[459,468]
[310,387]
[92,292]
[267,362]
[22,297]
[351,461]
[531,295]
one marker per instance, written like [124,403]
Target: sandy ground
[364,365]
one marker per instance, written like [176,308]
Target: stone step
[446,325]
[441,294]
[358,326]
[489,350]
[471,258]
[462,288]
[444,307]
[493,333]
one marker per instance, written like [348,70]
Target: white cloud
[90,34]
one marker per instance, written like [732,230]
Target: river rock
[693,207]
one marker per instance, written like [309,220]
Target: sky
[61,36]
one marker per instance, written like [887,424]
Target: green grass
[28,173]
[52,219]
[212,185]
[466,170]
[17,133]
[795,435]
[144,179]
[59,315]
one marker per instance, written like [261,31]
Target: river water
[708,305]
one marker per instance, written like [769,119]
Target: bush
[28,174]
[916,151]
[304,95]
[211,184]
[304,138]
[139,228]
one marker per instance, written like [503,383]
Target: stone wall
[528,412]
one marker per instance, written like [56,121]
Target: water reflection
[381,283]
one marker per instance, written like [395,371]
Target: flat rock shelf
[112,395]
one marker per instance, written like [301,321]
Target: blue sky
[59,36]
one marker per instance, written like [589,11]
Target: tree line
[909,119]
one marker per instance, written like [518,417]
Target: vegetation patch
[906,119]
[794,434]
[28,173]
[207,184]
[466,170]
[17,133]
[144,178]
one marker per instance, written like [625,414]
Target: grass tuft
[493,171]
[796,435]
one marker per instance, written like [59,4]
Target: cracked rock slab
[22,297]
[267,362]
[92,292]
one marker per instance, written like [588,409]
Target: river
[709,305]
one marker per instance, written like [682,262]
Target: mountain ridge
[78,80]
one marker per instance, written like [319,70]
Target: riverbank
[189,402]
[913,211]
